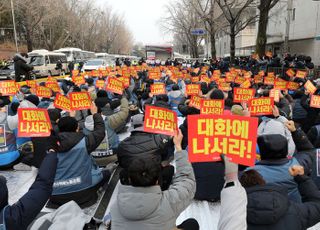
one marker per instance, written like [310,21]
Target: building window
[293,14]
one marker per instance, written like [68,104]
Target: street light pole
[14,27]
[286,38]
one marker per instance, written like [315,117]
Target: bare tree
[181,19]
[264,8]
[238,14]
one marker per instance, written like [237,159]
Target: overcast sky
[142,17]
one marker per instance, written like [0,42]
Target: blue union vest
[76,171]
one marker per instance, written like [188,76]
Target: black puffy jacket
[269,207]
[141,144]
[21,67]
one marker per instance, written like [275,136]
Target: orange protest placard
[158,88]
[293,85]
[78,80]
[247,75]
[269,80]
[195,102]
[215,107]
[243,95]
[192,89]
[258,79]
[280,84]
[54,86]
[246,84]
[261,106]
[224,86]
[271,74]
[194,79]
[95,73]
[33,123]
[275,94]
[239,80]
[154,75]
[125,80]
[75,72]
[301,74]
[79,101]
[160,120]
[42,91]
[62,102]
[229,77]
[205,78]
[310,87]
[8,88]
[100,84]
[290,72]
[212,135]
[114,85]
[31,83]
[315,101]
[261,73]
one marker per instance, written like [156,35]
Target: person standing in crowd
[21,68]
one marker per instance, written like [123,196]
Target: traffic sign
[198,31]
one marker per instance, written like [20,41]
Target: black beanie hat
[102,93]
[101,102]
[68,124]
[4,100]
[273,146]
[33,99]
[217,94]
[3,192]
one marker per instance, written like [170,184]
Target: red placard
[158,88]
[62,102]
[229,77]
[75,72]
[42,91]
[280,84]
[195,102]
[8,88]
[301,74]
[243,95]
[258,79]
[194,79]
[54,86]
[224,86]
[290,72]
[269,80]
[192,89]
[125,80]
[31,83]
[315,101]
[114,85]
[215,107]
[79,101]
[293,85]
[261,106]
[95,73]
[160,120]
[246,84]
[154,75]
[310,87]
[100,84]
[33,123]
[212,135]
[78,80]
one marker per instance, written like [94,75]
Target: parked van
[76,54]
[46,63]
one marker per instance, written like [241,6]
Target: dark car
[7,72]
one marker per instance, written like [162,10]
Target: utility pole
[14,27]
[288,21]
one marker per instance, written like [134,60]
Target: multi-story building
[304,35]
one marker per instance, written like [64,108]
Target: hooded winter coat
[139,208]
[269,207]
[21,67]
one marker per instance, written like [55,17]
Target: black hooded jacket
[21,67]
[269,207]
